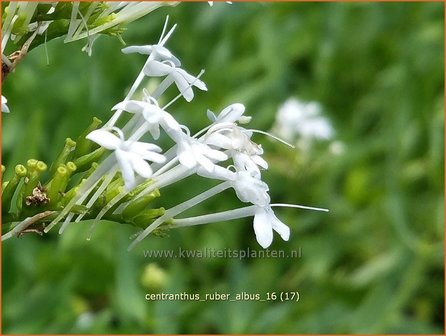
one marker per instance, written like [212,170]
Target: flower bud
[84,145]
[84,162]
[146,217]
[136,206]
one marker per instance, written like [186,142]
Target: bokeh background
[374,264]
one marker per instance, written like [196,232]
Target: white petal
[119,106]
[132,106]
[218,172]
[282,229]
[258,160]
[232,113]
[153,157]
[126,169]
[185,155]
[211,116]
[104,139]
[175,60]
[215,154]
[193,80]
[205,162]
[156,68]
[166,55]
[140,166]
[219,140]
[183,86]
[263,229]
[169,122]
[155,131]
[141,147]
[187,160]
[256,197]
[148,152]
[250,189]
[163,52]
[247,165]
[144,50]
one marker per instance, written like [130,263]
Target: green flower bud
[84,145]
[66,198]
[111,194]
[84,162]
[91,170]
[146,217]
[56,187]
[136,206]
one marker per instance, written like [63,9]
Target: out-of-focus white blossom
[302,123]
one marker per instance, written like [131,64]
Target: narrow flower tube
[9,190]
[56,187]
[84,145]
[145,217]
[84,162]
[64,155]
[68,196]
[169,214]
[84,189]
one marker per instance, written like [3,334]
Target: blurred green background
[374,264]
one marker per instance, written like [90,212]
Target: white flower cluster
[223,151]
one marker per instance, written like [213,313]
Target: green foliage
[374,264]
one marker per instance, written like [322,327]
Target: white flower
[248,187]
[191,153]
[304,121]
[265,221]
[182,79]
[131,156]
[231,114]
[245,154]
[5,107]
[249,163]
[232,137]
[218,173]
[158,52]
[251,189]
[152,113]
